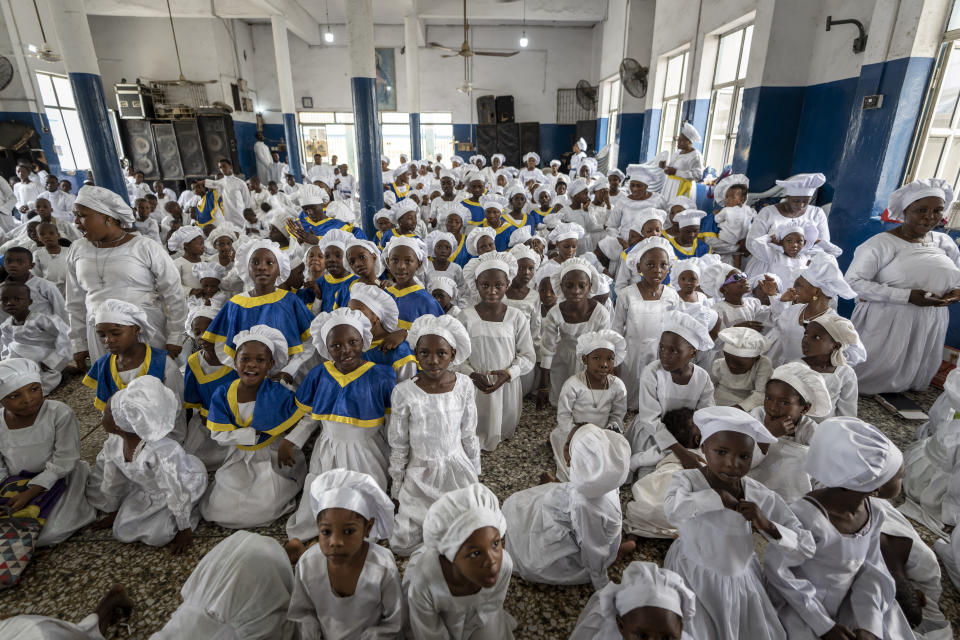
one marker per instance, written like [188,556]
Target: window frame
[736,99]
[58,108]
[685,53]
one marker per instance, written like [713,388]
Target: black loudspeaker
[191,151]
[167,153]
[486,110]
[508,142]
[137,136]
[587,129]
[530,138]
[216,133]
[505,109]
[486,140]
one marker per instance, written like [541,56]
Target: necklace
[804,320]
[101,269]
[593,396]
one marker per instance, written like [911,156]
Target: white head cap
[245,254]
[268,336]
[104,201]
[913,191]
[803,184]
[16,373]
[808,383]
[688,328]
[354,491]
[448,328]
[146,407]
[457,514]
[644,584]
[599,460]
[690,132]
[744,342]
[712,420]
[378,301]
[720,190]
[590,341]
[849,453]
[123,313]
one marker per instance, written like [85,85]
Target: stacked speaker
[498,132]
[181,149]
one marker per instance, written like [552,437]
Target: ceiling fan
[44,52]
[465,50]
[467,86]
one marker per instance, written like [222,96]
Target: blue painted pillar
[415,152]
[363,85]
[80,60]
[411,42]
[288,106]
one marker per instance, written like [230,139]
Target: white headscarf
[245,253]
[713,277]
[533,155]
[851,350]
[267,336]
[493,201]
[404,206]
[570,265]
[436,236]
[566,231]
[744,342]
[443,283]
[354,491]
[823,273]
[416,244]
[199,311]
[599,460]
[680,201]
[369,247]
[808,383]
[913,191]
[104,201]
[720,190]
[581,144]
[589,342]
[222,230]
[380,303]
[16,373]
[805,228]
[123,313]
[482,159]
[849,453]
[324,323]
[803,184]
[146,407]
[500,260]
[634,217]
[645,245]
[690,133]
[473,238]
[203,270]
[520,236]
[712,420]
[382,213]
[523,252]
[644,584]
[311,194]
[688,328]
[457,514]
[182,236]
[547,189]
[576,187]
[641,173]
[448,328]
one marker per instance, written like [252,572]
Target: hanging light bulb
[523,40]
[328,36]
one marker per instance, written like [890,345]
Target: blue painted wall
[651,133]
[46,139]
[630,139]
[769,121]
[246,134]
[465,133]
[555,140]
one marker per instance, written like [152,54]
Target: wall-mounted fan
[633,77]
[6,73]
[587,95]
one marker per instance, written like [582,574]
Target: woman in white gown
[795,207]
[110,262]
[905,279]
[569,532]
[685,166]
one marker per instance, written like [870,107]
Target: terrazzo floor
[68,580]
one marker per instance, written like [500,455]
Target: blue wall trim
[92,112]
[367,131]
[630,139]
[415,136]
[293,145]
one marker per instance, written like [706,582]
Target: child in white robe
[730,288]
[433,428]
[502,350]
[649,602]
[44,295]
[446,292]
[740,377]
[190,240]
[42,338]
[203,375]
[685,166]
[40,441]
[462,535]
[640,309]
[716,509]
[733,219]
[671,382]
[209,292]
[440,246]
[793,397]
[827,343]
[575,282]
[524,297]
[789,246]
[50,260]
[569,532]
[347,586]
[844,585]
[152,485]
[593,394]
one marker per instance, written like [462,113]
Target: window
[674,82]
[436,135]
[726,97]
[61,111]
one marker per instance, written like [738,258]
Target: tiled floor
[68,580]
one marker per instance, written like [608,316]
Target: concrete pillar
[411,42]
[287,104]
[363,85]
[80,61]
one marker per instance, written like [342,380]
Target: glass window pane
[668,125]
[612,128]
[723,99]
[951,167]
[345,117]
[954,16]
[615,94]
[64,92]
[745,56]
[315,117]
[61,141]
[394,117]
[949,90]
[436,139]
[71,121]
[46,89]
[931,158]
[674,75]
[441,117]
[727,55]
[314,139]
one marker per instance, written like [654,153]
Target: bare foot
[106,522]
[294,549]
[627,547]
[114,605]
[547,476]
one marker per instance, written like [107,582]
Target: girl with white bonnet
[905,278]
[110,262]
[649,602]
[565,237]
[795,206]
[844,585]
[456,583]
[830,344]
[351,589]
[380,308]
[502,350]
[40,441]
[685,166]
[733,219]
[349,398]
[256,484]
[524,297]
[789,246]
[740,376]
[151,485]
[189,241]
[569,532]
[433,428]
[225,240]
[580,212]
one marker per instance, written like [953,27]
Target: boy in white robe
[741,375]
[43,338]
[44,295]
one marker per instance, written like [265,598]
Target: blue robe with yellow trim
[274,412]
[400,192]
[281,310]
[199,386]
[392,233]
[413,302]
[209,204]
[699,248]
[396,358]
[360,398]
[334,292]
[460,254]
[321,227]
[476,212]
[382,237]
[105,380]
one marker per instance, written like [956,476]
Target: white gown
[530,308]
[782,468]
[744,389]
[435,614]
[769,217]
[51,448]
[559,536]
[715,556]
[251,489]
[558,344]
[45,298]
[26,627]
[235,195]
[187,280]
[689,166]
[843,388]
[373,612]
[904,354]
[156,494]
[579,404]
[845,580]
[644,515]
[640,322]
[931,478]
[787,333]
[239,590]
[52,267]
[659,394]
[595,624]
[43,338]
[433,450]
[140,272]
[750,310]
[339,446]
[505,345]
